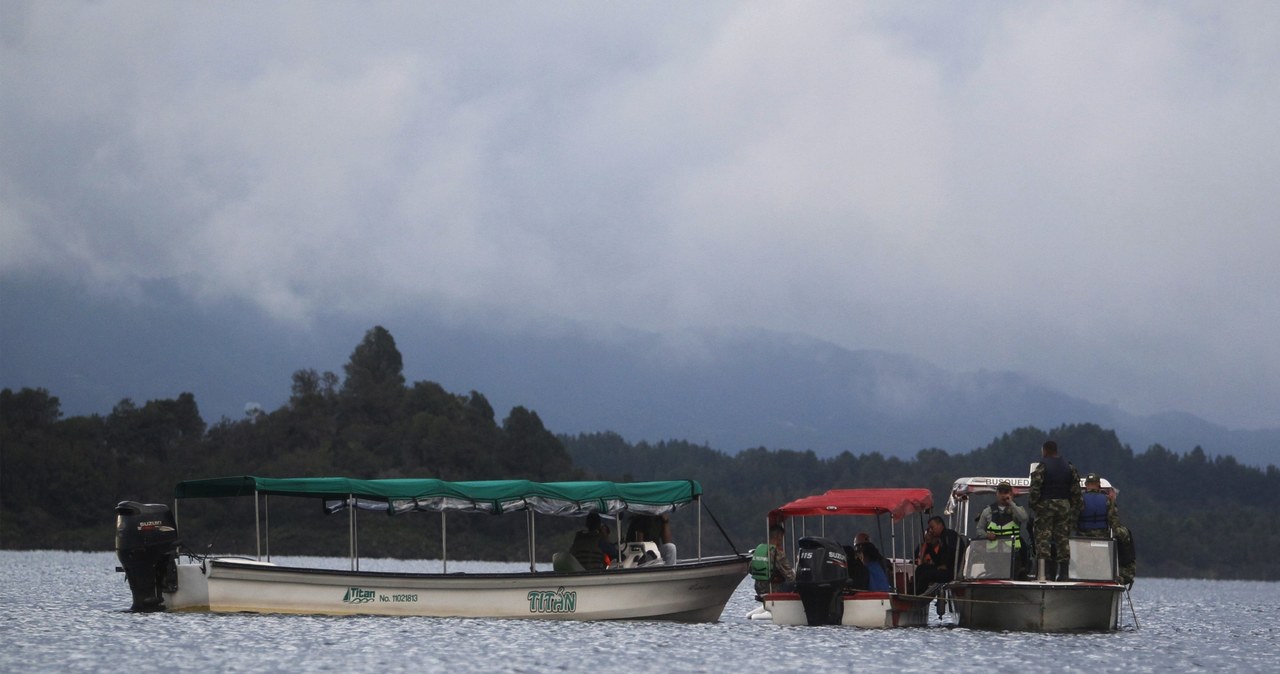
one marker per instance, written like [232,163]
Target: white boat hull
[1037,606]
[688,592]
[863,609]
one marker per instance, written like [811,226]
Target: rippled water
[65,612]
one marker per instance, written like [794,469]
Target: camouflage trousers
[1055,520]
[1129,569]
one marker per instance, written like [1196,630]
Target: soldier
[769,565]
[1101,519]
[1057,502]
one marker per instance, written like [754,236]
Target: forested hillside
[1191,515]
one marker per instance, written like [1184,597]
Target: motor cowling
[822,572]
[147,546]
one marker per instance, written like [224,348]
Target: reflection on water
[66,611]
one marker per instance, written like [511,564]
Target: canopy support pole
[266,514]
[351,532]
[444,544]
[532,540]
[257,525]
[695,507]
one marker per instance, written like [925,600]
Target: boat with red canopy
[823,592]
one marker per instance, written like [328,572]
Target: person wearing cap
[1100,518]
[1006,520]
[1056,500]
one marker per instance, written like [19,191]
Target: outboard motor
[147,545]
[822,571]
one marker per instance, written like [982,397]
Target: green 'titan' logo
[553,601]
[357,595]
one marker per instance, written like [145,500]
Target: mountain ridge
[729,388]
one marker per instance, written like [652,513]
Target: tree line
[1192,515]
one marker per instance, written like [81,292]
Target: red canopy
[897,502]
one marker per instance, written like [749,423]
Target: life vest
[586,549]
[762,562]
[930,553]
[1003,525]
[1057,479]
[1094,515]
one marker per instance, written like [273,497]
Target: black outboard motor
[147,545]
[822,571]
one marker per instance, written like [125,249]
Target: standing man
[1057,502]
[1006,520]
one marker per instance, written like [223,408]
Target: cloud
[1082,192]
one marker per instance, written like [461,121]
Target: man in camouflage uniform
[770,566]
[1100,518]
[1056,499]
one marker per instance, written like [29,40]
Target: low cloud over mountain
[728,388]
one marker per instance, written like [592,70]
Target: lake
[64,611]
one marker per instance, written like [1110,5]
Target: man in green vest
[1006,520]
[770,567]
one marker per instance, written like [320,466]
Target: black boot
[1064,571]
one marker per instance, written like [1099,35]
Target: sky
[1085,192]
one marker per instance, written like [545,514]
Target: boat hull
[1034,606]
[687,592]
[863,609]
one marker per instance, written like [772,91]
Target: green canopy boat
[641,586]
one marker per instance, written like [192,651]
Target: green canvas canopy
[490,496]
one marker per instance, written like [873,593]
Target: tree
[531,450]
[374,387]
[28,409]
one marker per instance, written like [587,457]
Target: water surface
[62,611]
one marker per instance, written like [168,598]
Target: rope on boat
[1128,595]
[717,523]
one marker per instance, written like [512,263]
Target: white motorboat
[991,593]
[823,593]
[640,587]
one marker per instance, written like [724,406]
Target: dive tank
[147,544]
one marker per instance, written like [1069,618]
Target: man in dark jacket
[937,560]
[1055,497]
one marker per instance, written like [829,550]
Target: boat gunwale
[695,564]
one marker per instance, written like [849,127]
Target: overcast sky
[1085,192]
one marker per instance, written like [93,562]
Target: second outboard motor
[147,545]
[822,571]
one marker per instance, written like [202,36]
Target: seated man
[937,559]
[874,562]
[590,546]
[858,578]
[656,528]
[1101,519]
